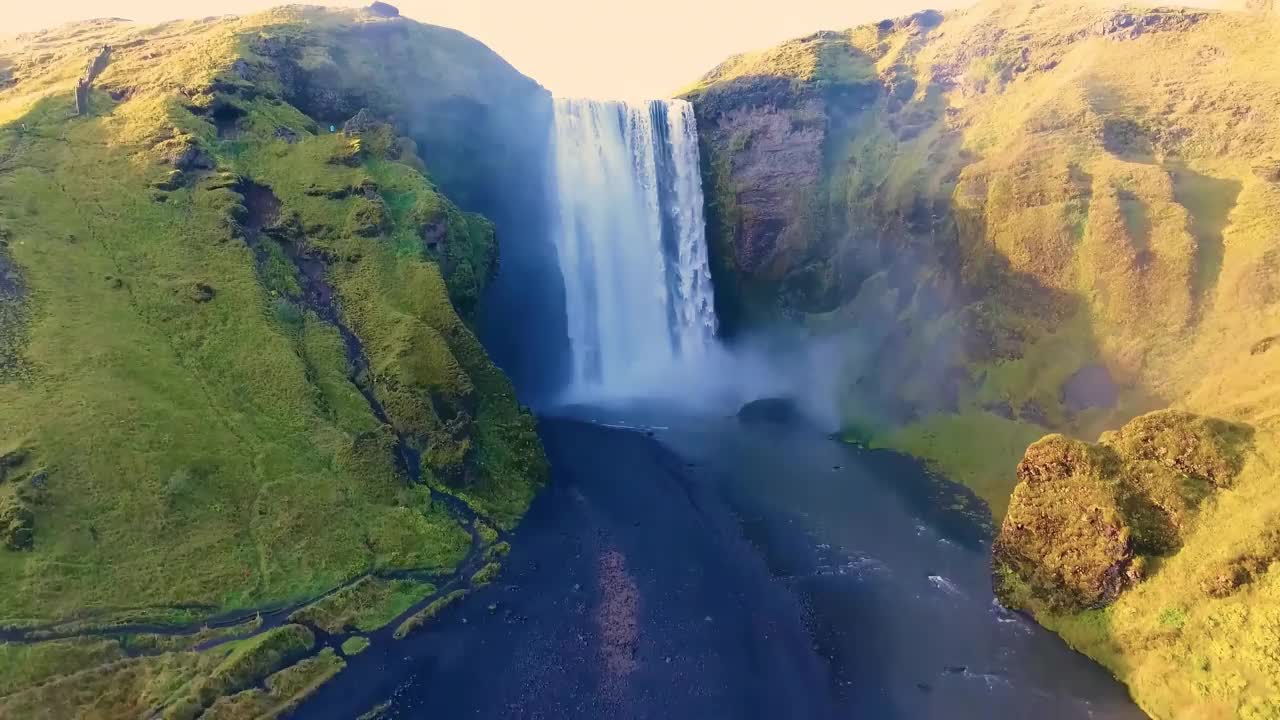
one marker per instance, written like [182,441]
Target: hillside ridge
[1030,218]
[245,413]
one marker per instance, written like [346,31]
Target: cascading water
[631,240]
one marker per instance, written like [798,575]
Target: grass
[191,435]
[283,692]
[486,574]
[365,606]
[976,448]
[355,645]
[426,614]
[23,665]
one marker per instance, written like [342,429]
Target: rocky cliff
[239,369]
[1029,218]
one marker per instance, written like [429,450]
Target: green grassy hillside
[236,371]
[1025,218]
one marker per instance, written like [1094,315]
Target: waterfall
[631,240]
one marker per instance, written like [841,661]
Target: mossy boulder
[1065,540]
[1199,447]
[1084,517]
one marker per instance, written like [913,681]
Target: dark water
[715,570]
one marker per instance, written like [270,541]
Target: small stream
[699,567]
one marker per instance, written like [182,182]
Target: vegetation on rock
[236,365]
[1084,519]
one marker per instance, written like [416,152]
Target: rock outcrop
[1084,518]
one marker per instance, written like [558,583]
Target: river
[700,567]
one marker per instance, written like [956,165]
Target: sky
[583,48]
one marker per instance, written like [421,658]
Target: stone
[362,121]
[1065,542]
[381,9]
[771,411]
[202,293]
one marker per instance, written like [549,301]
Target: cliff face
[1027,214]
[238,366]
[1036,217]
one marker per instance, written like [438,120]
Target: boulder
[362,121]
[202,293]
[381,9]
[1200,448]
[1065,543]
[771,411]
[1084,517]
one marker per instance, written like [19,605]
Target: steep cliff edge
[1030,218]
[238,369]
[1035,215]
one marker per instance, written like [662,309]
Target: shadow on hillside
[1209,202]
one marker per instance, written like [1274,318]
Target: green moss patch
[355,645]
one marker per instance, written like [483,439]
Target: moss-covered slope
[1035,214]
[236,370]
[1032,218]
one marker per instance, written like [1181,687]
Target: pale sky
[591,48]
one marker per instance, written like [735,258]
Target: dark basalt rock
[772,411]
[1032,412]
[362,121]
[202,293]
[11,461]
